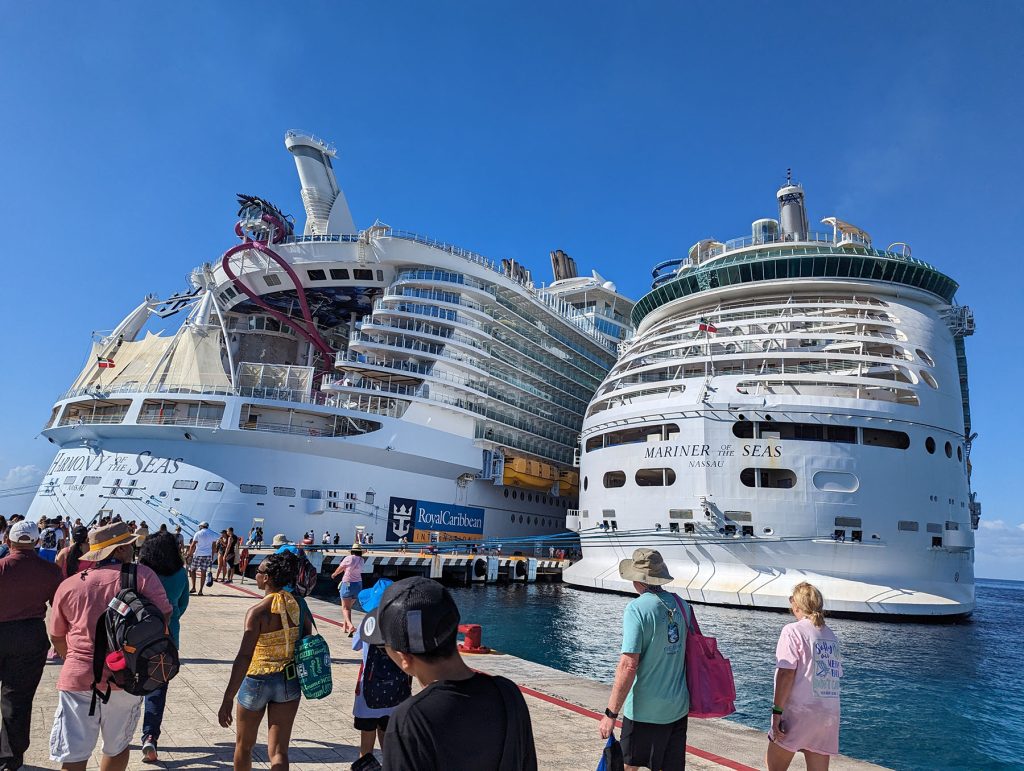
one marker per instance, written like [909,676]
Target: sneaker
[149,750]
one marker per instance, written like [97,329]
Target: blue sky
[620,132]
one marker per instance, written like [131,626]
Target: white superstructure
[793,407]
[335,380]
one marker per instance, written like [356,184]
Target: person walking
[77,607]
[230,555]
[805,711]
[160,553]
[218,554]
[263,675]
[68,557]
[27,585]
[350,570]
[200,555]
[461,720]
[650,680]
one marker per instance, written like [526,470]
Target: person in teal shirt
[160,552]
[650,680]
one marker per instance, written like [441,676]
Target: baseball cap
[23,532]
[415,615]
[203,524]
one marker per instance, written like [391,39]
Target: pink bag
[708,674]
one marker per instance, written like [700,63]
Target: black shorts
[371,723]
[655,745]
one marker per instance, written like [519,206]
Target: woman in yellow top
[263,675]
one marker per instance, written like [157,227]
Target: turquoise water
[915,696]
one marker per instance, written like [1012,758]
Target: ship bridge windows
[775,478]
[339,274]
[185,484]
[655,477]
[661,432]
[614,479]
[252,489]
[214,487]
[285,492]
[881,437]
[315,274]
[362,274]
[907,526]
[272,279]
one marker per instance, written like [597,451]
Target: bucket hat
[279,540]
[104,541]
[645,566]
[357,548]
[370,598]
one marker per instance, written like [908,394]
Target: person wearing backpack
[264,676]
[160,553]
[79,608]
[650,680]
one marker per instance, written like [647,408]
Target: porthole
[949,450]
[959,453]
[925,357]
[506,492]
[520,519]
[929,445]
[615,479]
[513,518]
[529,497]
[767,531]
[515,495]
[586,482]
[927,377]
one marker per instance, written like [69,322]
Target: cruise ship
[372,382]
[793,406]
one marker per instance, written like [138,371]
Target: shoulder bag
[708,673]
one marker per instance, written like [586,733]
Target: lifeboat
[531,474]
[569,483]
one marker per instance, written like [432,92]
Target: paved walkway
[564,708]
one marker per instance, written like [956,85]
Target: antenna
[789,176]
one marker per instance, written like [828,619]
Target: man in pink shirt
[77,607]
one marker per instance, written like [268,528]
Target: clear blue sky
[620,132]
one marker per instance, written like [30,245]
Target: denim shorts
[350,591]
[258,691]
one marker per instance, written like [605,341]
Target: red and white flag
[104,363]
[707,326]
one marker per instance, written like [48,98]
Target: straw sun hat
[645,566]
[104,541]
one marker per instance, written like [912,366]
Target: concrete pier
[564,708]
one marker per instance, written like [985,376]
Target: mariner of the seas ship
[794,406]
[342,380]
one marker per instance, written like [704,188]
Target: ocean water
[915,696]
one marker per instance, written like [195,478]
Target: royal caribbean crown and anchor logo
[424,521]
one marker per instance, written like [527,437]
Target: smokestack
[325,204]
[562,265]
[792,214]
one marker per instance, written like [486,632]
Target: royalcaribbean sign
[419,520]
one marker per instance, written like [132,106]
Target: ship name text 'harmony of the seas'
[793,406]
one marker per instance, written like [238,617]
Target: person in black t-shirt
[462,720]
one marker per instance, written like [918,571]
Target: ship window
[230,293]
[880,437]
[637,435]
[748,530]
[595,443]
[586,482]
[848,522]
[937,541]
[285,492]
[505,491]
[959,453]
[185,484]
[316,275]
[952,525]
[779,478]
[927,377]
[253,489]
[614,479]
[680,513]
[380,275]
[363,275]
[214,487]
[949,450]
[312,494]
[272,279]
[608,513]
[925,357]
[738,516]
[835,481]
[655,477]
[908,526]
[90,480]
[69,480]
[743,429]
[339,274]
[929,445]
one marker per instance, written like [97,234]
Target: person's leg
[816,761]
[202,578]
[119,719]
[192,575]
[346,614]
[118,762]
[366,740]
[247,725]
[152,720]
[280,719]
[381,730]
[674,756]
[777,758]
[23,646]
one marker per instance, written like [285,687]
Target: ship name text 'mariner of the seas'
[340,380]
[793,406]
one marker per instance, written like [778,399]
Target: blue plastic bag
[611,758]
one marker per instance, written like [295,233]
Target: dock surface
[565,709]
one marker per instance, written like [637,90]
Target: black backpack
[132,640]
[383,683]
[306,580]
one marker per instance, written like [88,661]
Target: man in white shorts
[200,555]
[77,607]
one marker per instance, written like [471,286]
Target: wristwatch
[609,713]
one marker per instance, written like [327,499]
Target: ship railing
[298,396]
[81,420]
[541,449]
[179,420]
[446,276]
[343,429]
[432,294]
[426,311]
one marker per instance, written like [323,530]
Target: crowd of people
[409,632]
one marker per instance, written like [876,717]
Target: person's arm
[788,654]
[341,567]
[625,674]
[191,550]
[58,626]
[784,679]
[61,558]
[253,625]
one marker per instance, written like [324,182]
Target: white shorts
[74,733]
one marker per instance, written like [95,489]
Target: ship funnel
[562,265]
[792,214]
[325,204]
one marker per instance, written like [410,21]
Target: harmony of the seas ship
[793,406]
[340,380]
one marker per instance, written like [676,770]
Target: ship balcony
[958,536]
[94,412]
[441,299]
[442,280]
[192,421]
[405,309]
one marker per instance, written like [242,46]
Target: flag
[707,326]
[104,363]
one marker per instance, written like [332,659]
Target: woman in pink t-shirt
[351,570]
[805,715]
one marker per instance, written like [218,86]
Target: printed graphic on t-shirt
[828,668]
